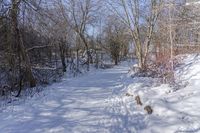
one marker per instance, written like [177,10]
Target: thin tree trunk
[62,56]
[171,38]
[77,59]
[116,61]
[87,49]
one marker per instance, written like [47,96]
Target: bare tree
[80,14]
[117,38]
[140,17]
[16,42]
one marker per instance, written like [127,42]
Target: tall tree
[140,16]
[80,14]
[16,42]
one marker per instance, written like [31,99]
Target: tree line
[64,34]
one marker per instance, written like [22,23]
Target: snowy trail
[73,106]
[96,103]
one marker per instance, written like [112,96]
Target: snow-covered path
[78,105]
[96,103]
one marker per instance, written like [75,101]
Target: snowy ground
[77,105]
[96,102]
[175,111]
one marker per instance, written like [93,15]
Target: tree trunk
[18,42]
[147,44]
[62,56]
[87,49]
[116,61]
[139,55]
[97,59]
[77,59]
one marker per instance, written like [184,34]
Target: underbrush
[9,99]
[162,72]
[44,75]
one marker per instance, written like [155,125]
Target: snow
[96,102]
[193,3]
[174,110]
[74,105]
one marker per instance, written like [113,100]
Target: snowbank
[174,110]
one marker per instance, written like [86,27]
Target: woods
[38,37]
[100,66]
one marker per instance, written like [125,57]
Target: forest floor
[96,102]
